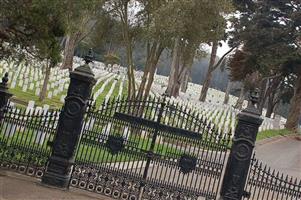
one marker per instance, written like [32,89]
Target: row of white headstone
[224,116]
[31,79]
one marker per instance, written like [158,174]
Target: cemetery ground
[24,126]
[26,83]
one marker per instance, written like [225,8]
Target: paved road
[283,154]
[19,187]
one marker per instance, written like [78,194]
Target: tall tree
[26,27]
[156,39]
[30,30]
[270,33]
[80,18]
[192,30]
[212,67]
[125,11]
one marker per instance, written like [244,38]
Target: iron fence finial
[254,96]
[89,57]
[4,80]
[253,100]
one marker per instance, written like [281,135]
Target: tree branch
[222,58]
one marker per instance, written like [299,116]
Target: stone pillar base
[56,180]
[58,172]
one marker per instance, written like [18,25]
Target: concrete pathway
[282,154]
[20,187]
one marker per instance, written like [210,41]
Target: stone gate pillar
[58,170]
[239,159]
[4,95]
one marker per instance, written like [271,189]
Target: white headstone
[37,91]
[49,95]
[40,138]
[10,129]
[62,98]
[46,107]
[31,104]
[13,84]
[20,83]
[31,86]
[24,88]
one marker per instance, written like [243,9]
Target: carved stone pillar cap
[3,85]
[252,107]
[4,81]
[85,71]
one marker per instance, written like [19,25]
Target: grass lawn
[30,96]
[268,134]
[272,133]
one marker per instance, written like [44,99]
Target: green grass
[272,133]
[102,96]
[268,134]
[30,96]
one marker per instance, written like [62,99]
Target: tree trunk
[129,50]
[131,78]
[148,64]
[272,102]
[263,95]
[292,122]
[152,70]
[205,86]
[187,71]
[270,110]
[150,81]
[69,52]
[241,98]
[174,68]
[183,70]
[227,93]
[208,78]
[184,84]
[45,83]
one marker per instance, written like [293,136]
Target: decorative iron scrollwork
[187,163]
[115,144]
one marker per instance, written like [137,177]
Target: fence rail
[264,183]
[26,138]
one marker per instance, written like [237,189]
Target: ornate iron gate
[149,149]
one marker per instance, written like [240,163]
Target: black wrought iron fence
[264,183]
[26,137]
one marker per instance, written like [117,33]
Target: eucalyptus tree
[157,38]
[80,19]
[192,24]
[270,34]
[126,12]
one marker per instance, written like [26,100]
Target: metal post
[4,95]
[239,160]
[70,124]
